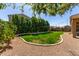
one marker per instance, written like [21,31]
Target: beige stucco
[74,21]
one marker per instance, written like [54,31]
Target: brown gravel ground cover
[69,47]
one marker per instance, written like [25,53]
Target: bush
[6,32]
[22,23]
[39,25]
[25,24]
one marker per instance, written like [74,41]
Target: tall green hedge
[25,25]
[39,25]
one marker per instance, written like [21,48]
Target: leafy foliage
[46,8]
[25,25]
[6,32]
[39,25]
[2,6]
[52,8]
[22,23]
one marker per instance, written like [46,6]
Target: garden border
[32,33]
[61,40]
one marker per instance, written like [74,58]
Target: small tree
[6,33]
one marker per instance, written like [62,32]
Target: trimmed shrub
[26,25]
[22,23]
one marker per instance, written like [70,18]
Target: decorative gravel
[69,47]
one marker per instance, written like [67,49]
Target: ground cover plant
[46,38]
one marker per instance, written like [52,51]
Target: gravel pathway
[69,47]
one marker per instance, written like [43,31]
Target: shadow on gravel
[3,49]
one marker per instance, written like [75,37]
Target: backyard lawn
[46,38]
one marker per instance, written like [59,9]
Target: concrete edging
[43,44]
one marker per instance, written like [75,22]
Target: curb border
[61,40]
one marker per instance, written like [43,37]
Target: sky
[53,20]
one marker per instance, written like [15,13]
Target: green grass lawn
[46,38]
